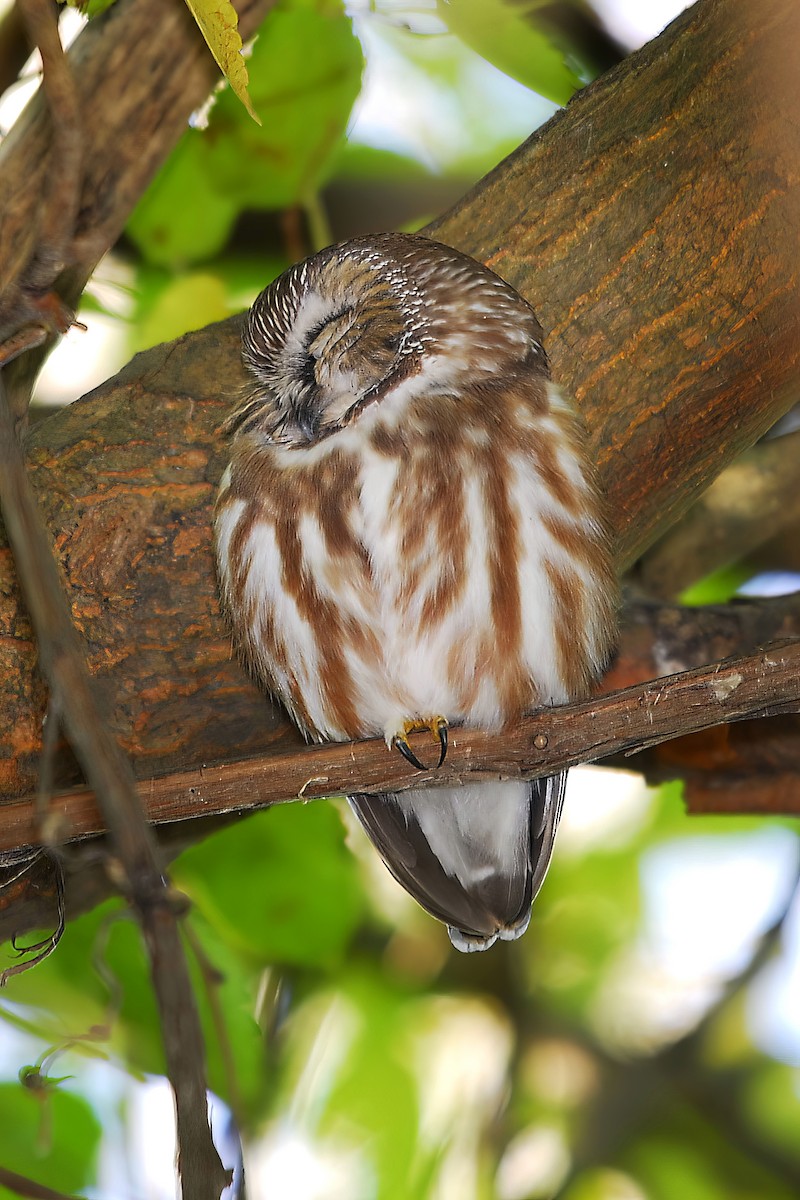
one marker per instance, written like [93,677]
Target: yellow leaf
[219,25]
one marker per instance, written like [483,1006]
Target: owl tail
[474,857]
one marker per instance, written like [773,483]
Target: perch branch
[656,640]
[551,740]
[29,1188]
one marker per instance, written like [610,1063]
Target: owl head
[342,329]
[327,338]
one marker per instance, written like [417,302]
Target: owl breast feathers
[409,530]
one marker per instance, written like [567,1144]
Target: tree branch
[627,222]
[551,740]
[749,766]
[63,184]
[14,48]
[32,304]
[656,639]
[21,1186]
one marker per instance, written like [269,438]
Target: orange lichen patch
[194,630]
[9,777]
[189,541]
[186,491]
[20,647]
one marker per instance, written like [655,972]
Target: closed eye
[317,329]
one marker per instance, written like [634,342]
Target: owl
[409,536]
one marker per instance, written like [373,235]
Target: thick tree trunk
[654,226]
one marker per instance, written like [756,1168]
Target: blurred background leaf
[53,1139]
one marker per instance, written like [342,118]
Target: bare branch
[134,92]
[57,218]
[29,1188]
[551,740]
[108,772]
[14,48]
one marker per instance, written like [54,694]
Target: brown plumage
[409,531]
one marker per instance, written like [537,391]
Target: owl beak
[308,419]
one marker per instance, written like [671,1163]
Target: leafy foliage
[298,924]
[351,1030]
[507,33]
[305,74]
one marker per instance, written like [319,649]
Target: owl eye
[307,370]
[324,337]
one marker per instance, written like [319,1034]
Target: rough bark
[141,70]
[653,224]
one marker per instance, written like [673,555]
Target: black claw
[408,754]
[442,731]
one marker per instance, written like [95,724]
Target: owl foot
[436,725]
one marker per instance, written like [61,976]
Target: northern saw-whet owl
[409,536]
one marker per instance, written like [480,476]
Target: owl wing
[474,857]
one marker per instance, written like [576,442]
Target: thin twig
[551,740]
[212,981]
[29,1188]
[58,217]
[14,49]
[109,773]
[41,950]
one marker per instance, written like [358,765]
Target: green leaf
[506,33]
[718,587]
[219,24]
[374,164]
[168,305]
[279,886]
[52,1139]
[305,74]
[187,302]
[183,217]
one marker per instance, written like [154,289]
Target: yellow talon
[436,725]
